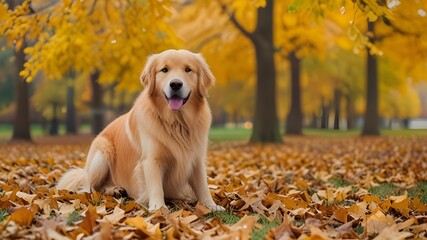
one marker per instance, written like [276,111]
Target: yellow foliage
[113,37]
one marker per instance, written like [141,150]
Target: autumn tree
[403,22]
[266,125]
[299,35]
[106,41]
[21,125]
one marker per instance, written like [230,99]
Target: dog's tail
[74,180]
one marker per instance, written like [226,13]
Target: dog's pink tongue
[175,103]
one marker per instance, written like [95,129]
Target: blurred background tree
[104,41]
[337,64]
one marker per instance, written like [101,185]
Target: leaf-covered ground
[306,188]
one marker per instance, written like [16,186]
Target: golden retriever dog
[158,149]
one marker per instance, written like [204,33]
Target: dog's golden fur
[156,151]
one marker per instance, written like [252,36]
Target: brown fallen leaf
[394,232]
[23,216]
[341,215]
[105,233]
[89,221]
[115,217]
[243,228]
[283,231]
[377,221]
[201,210]
[147,229]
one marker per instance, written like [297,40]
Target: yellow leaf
[244,226]
[395,231]
[385,206]
[89,222]
[290,20]
[401,204]
[371,198]
[358,210]
[27,197]
[372,17]
[377,222]
[419,206]
[341,215]
[23,216]
[150,230]
[18,44]
[24,73]
[117,215]
[316,234]
[137,222]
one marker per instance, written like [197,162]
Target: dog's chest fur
[178,153]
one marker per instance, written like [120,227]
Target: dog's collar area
[176,102]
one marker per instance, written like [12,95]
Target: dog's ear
[206,78]
[148,75]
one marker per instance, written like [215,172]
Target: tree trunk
[371,118]
[325,116]
[54,123]
[405,123]
[97,105]
[350,112]
[314,119]
[71,119]
[294,119]
[337,105]
[21,124]
[266,124]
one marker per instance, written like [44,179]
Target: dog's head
[178,75]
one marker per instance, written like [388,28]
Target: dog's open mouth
[176,102]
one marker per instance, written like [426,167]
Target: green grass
[266,227]
[384,190]
[338,182]
[419,191]
[6,130]
[231,218]
[3,214]
[218,134]
[73,217]
[356,132]
[225,216]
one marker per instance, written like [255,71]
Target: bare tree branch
[207,40]
[233,20]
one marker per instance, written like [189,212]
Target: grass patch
[217,134]
[330,132]
[3,214]
[266,227]
[74,217]
[37,130]
[231,218]
[225,216]
[338,182]
[419,191]
[359,229]
[384,190]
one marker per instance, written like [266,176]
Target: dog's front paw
[154,207]
[213,206]
[119,192]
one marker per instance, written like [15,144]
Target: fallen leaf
[23,216]
[89,222]
[115,217]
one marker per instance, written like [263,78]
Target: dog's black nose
[175,84]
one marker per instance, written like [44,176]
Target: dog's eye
[187,69]
[165,70]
